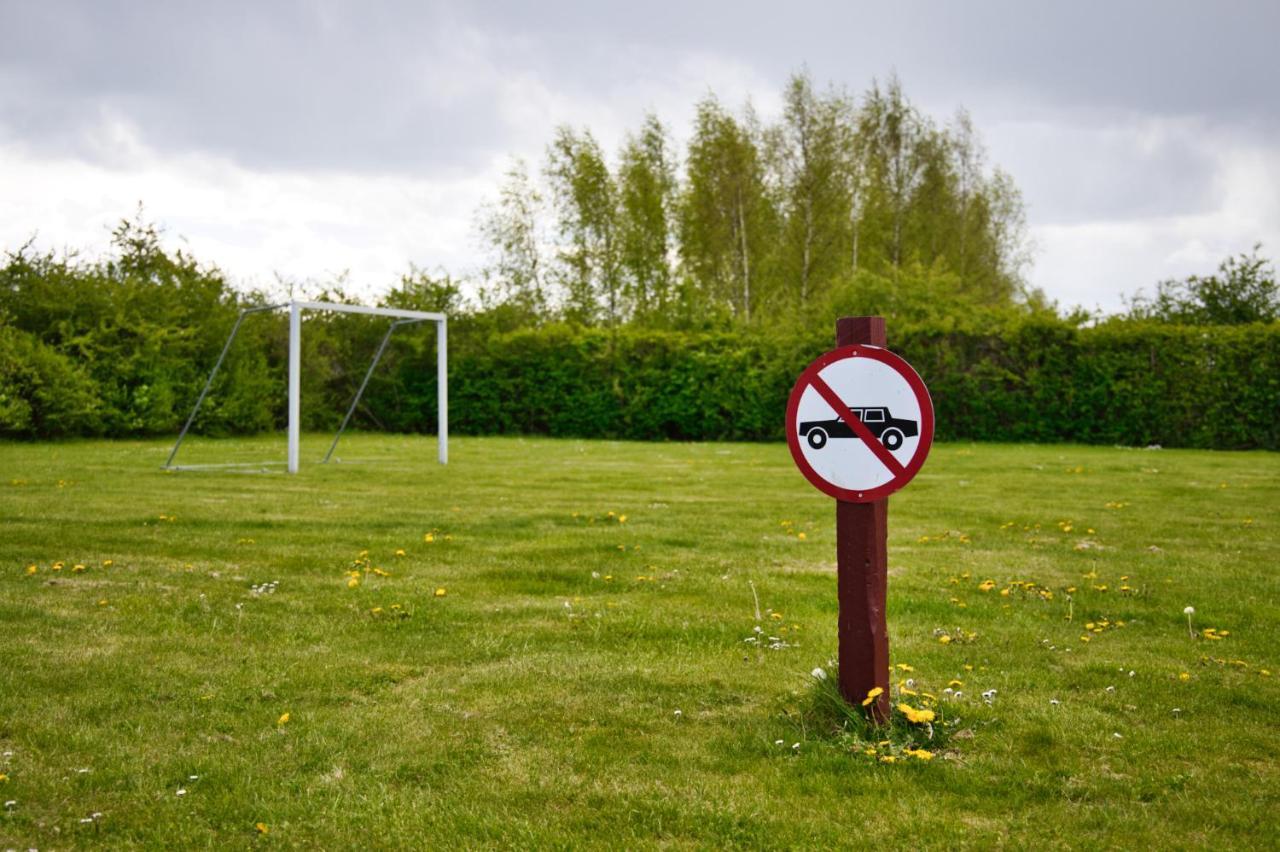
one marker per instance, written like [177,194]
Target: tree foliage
[761,224]
[1243,291]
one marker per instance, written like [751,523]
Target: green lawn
[584,681]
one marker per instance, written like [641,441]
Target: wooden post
[862,567]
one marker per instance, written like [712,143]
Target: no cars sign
[859,423]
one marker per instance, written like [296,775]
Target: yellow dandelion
[77,568]
[261,827]
[776,616]
[103,602]
[622,519]
[107,563]
[440,592]
[920,754]
[954,683]
[986,585]
[31,569]
[429,537]
[352,582]
[400,551]
[944,639]
[888,758]
[872,694]
[914,716]
[284,718]
[905,667]
[1184,676]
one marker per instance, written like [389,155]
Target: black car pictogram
[891,431]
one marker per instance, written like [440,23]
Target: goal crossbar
[401,317]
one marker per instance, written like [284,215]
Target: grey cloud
[1124,168]
[267,85]
[1103,112]
[388,86]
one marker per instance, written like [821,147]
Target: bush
[1034,380]
[42,392]
[122,347]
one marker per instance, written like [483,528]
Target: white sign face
[859,423]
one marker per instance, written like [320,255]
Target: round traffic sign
[859,423]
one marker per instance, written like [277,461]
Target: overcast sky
[308,138]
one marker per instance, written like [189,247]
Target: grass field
[536,671]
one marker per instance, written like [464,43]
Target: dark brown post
[862,567]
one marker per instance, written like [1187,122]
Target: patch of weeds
[919,727]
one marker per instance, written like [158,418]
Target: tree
[512,230]
[809,152]
[764,220]
[586,200]
[889,136]
[1243,291]
[725,214]
[646,189]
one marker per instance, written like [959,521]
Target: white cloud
[1095,263]
[257,223]
[251,224]
[1119,203]
[310,140]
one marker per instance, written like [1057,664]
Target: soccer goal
[399,319]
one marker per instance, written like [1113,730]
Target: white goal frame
[401,317]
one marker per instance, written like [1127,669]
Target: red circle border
[912,467]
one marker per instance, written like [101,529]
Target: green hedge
[1040,379]
[1119,383]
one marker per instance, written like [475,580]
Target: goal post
[294,428]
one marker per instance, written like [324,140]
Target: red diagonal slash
[842,410]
